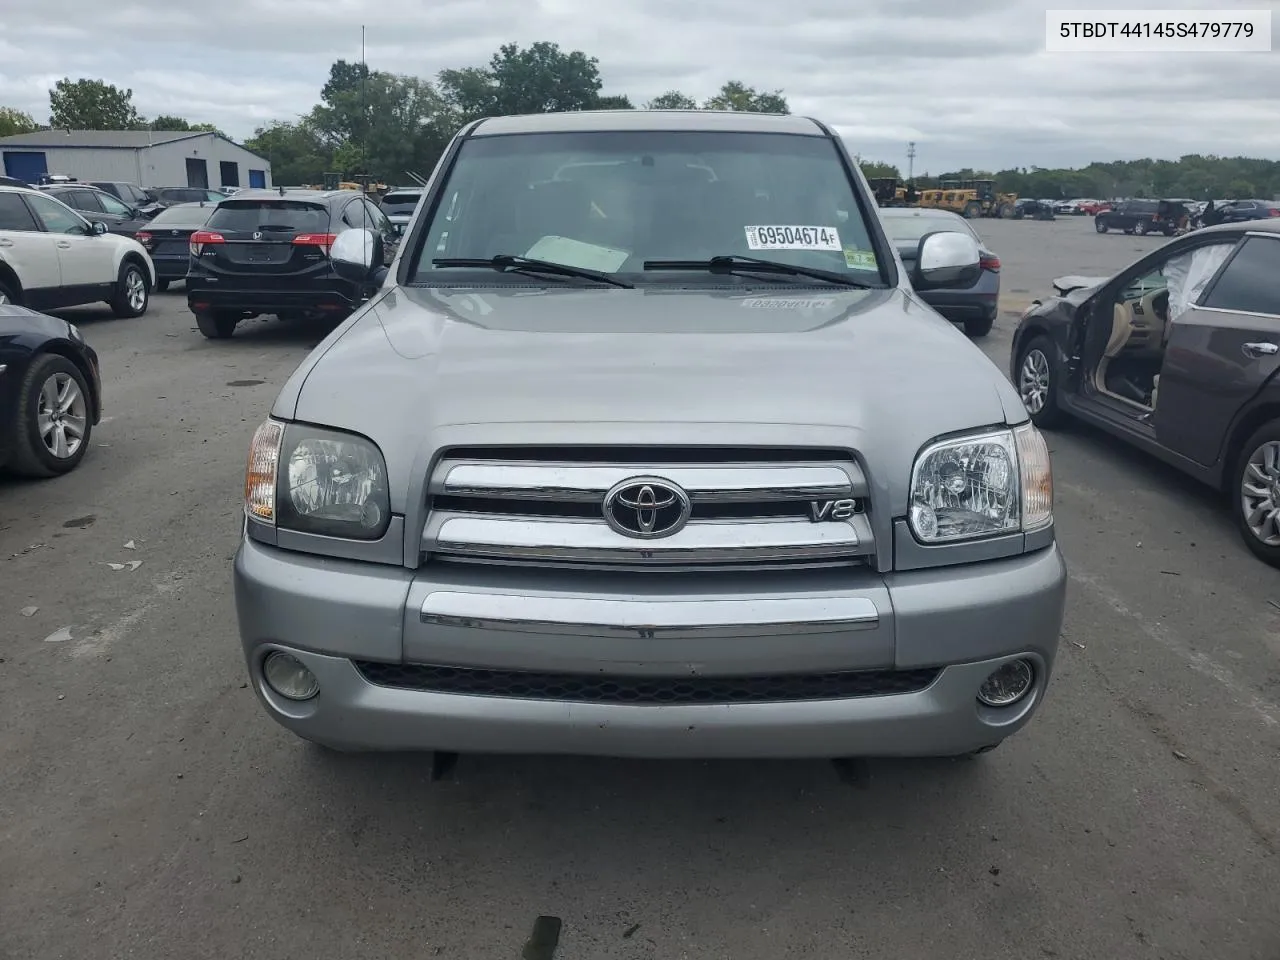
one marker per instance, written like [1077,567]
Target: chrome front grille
[546,507]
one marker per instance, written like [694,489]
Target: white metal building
[148,158]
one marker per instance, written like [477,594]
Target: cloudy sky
[968,80]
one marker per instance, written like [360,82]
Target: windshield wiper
[737,264]
[507,261]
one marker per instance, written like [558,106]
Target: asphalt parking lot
[150,809]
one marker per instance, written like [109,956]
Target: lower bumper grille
[593,688]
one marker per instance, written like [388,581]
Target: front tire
[1038,382]
[1100,226]
[972,210]
[216,324]
[132,295]
[53,420]
[7,295]
[1140,228]
[1255,493]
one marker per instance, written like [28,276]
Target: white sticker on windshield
[793,238]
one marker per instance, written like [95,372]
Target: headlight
[982,485]
[317,481]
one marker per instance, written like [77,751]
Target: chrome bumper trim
[648,618]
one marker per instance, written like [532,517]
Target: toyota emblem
[646,508]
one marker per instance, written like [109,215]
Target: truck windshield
[610,201]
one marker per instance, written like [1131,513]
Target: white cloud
[970,82]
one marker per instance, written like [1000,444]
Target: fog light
[289,677]
[1007,684]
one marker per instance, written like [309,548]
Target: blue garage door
[258,179]
[25,166]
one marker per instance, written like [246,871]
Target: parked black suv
[1131,216]
[168,239]
[97,204]
[267,251]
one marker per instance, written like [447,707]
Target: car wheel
[162,286]
[1038,378]
[1140,228]
[1256,493]
[53,419]
[132,295]
[980,326]
[1099,226]
[215,324]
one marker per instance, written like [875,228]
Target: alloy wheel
[1260,493]
[135,290]
[1033,381]
[61,416]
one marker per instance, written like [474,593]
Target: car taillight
[322,240]
[143,238]
[1273,212]
[202,237]
[991,263]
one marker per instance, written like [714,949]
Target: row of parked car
[69,244]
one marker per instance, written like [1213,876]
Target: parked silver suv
[648,447]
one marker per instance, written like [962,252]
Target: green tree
[620,102]
[344,77]
[386,126]
[14,121]
[875,169]
[672,100]
[297,151]
[735,95]
[167,122]
[91,105]
[469,94]
[539,79]
[544,79]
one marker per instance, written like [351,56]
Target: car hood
[877,371]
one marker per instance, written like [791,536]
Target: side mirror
[946,260]
[98,227]
[356,255]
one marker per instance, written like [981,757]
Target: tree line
[1194,176]
[387,125]
[86,104]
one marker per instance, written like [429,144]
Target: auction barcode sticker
[1158,31]
[793,238]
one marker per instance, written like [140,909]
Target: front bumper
[964,621]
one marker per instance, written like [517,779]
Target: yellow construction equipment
[969,198]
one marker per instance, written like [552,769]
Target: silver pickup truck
[647,446]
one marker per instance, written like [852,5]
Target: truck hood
[876,371]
